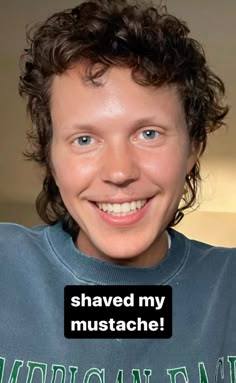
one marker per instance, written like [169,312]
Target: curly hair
[156,47]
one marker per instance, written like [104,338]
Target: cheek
[166,168]
[72,174]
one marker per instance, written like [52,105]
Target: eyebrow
[144,121]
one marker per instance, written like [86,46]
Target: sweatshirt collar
[90,270]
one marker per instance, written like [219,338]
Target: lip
[122,221]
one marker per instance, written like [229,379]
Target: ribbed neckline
[93,271]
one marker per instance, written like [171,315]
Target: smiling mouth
[121,209]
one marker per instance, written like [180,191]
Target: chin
[144,254]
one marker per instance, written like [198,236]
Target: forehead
[115,95]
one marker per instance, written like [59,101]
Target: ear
[194,150]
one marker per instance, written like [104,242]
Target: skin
[118,160]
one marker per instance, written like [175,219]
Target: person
[122,101]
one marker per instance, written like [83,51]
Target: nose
[120,165]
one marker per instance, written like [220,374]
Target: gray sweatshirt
[35,266]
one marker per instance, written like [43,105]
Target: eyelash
[83,140]
[79,139]
[150,131]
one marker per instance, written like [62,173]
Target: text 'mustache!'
[118,311]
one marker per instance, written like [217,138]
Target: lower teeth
[121,214]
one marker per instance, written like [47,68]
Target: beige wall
[216,228]
[21,213]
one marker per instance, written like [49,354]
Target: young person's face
[120,154]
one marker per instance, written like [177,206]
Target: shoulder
[24,251]
[12,233]
[205,257]
[211,250]
[197,246]
[20,242]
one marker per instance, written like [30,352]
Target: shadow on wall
[21,213]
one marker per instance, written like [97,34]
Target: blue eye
[84,140]
[149,134]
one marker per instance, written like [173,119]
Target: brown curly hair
[157,48]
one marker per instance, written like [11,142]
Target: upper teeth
[119,208]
